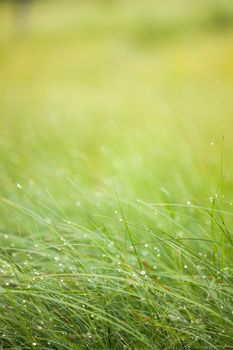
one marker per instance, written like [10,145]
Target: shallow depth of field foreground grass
[116,175]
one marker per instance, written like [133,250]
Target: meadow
[116,165]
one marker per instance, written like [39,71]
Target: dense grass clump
[148,280]
[116,176]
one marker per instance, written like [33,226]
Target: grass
[116,176]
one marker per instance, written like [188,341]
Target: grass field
[116,190]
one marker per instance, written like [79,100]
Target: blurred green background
[137,91]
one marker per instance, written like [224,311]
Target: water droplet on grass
[30,182]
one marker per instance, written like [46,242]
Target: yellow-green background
[136,90]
